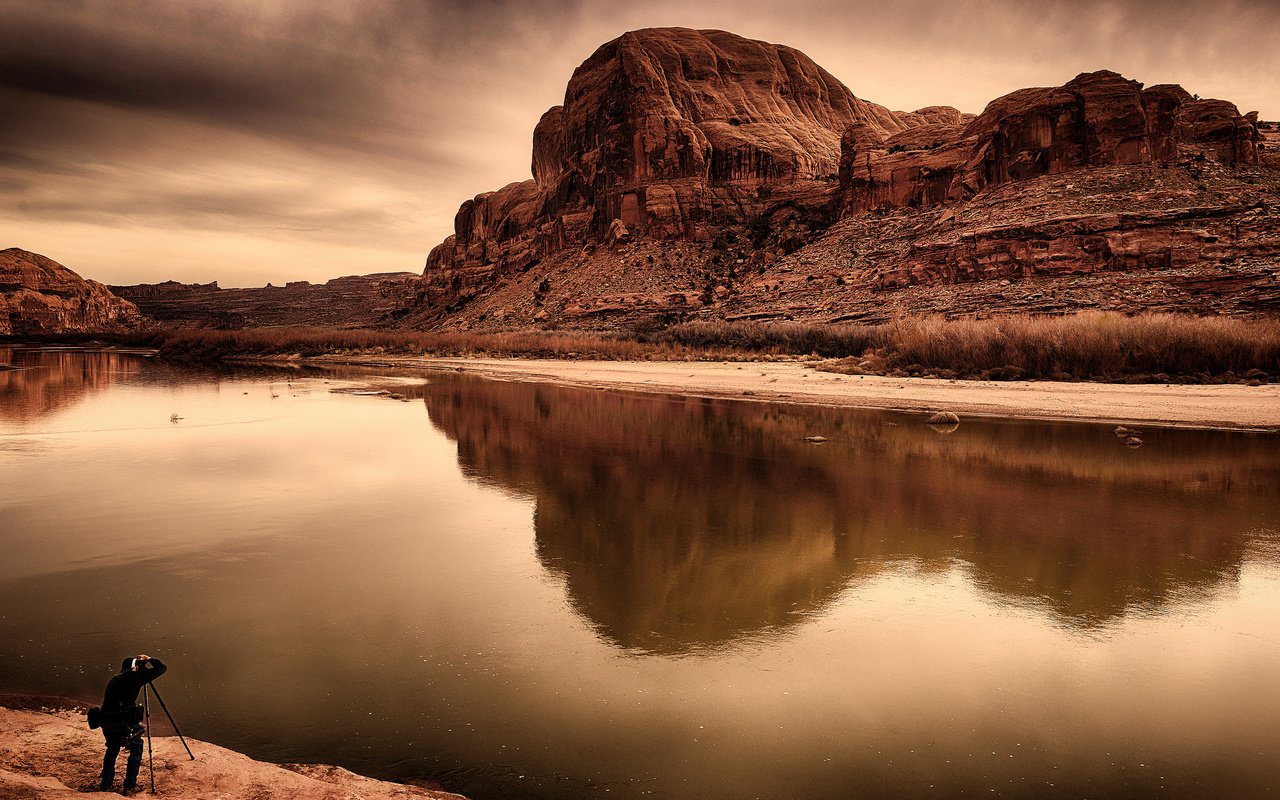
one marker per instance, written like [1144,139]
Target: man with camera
[122,716]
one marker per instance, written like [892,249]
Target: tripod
[147,691]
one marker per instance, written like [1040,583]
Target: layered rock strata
[39,296]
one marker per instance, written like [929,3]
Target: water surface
[527,591]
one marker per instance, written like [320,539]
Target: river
[527,591]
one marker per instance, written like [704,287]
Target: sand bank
[1201,406]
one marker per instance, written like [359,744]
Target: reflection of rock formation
[48,381]
[688,523]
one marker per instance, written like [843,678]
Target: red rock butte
[40,296]
[700,174]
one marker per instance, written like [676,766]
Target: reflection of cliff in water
[47,381]
[678,524]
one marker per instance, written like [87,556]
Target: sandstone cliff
[700,174]
[40,296]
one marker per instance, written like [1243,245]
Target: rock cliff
[700,174]
[40,296]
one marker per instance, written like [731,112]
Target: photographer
[121,718]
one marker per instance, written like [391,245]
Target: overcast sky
[248,141]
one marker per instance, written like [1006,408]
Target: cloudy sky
[248,141]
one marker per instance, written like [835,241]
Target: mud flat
[1232,406]
[47,751]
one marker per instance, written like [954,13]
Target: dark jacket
[121,696]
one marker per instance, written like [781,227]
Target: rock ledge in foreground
[49,754]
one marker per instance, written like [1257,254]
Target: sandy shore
[47,752]
[1217,406]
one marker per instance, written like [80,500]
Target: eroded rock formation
[40,296]
[671,131]
[697,173]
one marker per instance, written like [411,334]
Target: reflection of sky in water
[599,591]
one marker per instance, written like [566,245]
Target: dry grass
[1087,346]
[1090,346]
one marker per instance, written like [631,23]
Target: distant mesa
[698,173]
[39,296]
[353,300]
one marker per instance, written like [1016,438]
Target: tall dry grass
[780,338]
[1090,345]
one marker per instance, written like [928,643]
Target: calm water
[525,591]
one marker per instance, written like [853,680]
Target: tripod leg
[146,713]
[171,720]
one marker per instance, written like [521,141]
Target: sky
[256,141]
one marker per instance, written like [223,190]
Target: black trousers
[128,736]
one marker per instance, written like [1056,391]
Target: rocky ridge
[697,174]
[39,296]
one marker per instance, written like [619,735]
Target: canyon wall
[698,174]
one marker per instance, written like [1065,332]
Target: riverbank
[47,752]
[1233,406]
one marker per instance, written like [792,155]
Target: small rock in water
[1133,441]
[1121,432]
[944,418]
[815,439]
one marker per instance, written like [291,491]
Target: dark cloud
[365,124]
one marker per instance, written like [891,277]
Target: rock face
[39,296]
[355,300]
[700,174]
